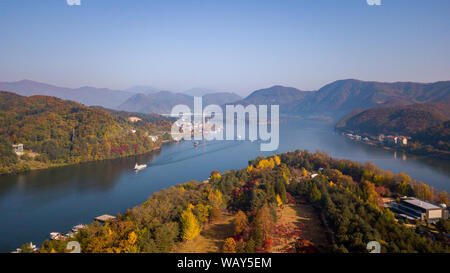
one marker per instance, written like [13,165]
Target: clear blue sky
[227,45]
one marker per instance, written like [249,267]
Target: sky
[226,45]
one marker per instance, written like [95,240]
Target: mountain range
[86,95]
[342,97]
[334,100]
[160,101]
[163,101]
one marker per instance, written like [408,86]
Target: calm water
[34,204]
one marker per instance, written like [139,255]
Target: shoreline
[437,154]
[58,165]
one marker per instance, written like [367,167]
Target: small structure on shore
[104,218]
[134,119]
[18,149]
[77,228]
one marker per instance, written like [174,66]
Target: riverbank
[413,148]
[24,166]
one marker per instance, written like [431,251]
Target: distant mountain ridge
[342,97]
[136,98]
[86,95]
[333,100]
[162,102]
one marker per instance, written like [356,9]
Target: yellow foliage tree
[229,246]
[203,212]
[132,237]
[304,172]
[215,175]
[266,164]
[279,202]
[215,198]
[190,227]
[277,160]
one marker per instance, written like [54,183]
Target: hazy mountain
[345,95]
[86,95]
[342,97]
[334,100]
[143,89]
[280,95]
[220,98]
[162,102]
[198,92]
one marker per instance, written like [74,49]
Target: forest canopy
[55,131]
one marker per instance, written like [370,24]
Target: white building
[18,149]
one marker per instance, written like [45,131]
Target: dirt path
[210,239]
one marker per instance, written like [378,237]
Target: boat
[138,167]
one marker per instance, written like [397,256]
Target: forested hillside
[346,195]
[58,132]
[425,123]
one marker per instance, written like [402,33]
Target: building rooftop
[420,203]
[104,218]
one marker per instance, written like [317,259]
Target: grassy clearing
[292,218]
[210,239]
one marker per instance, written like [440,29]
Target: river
[36,203]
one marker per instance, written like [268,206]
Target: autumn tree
[215,175]
[263,222]
[240,222]
[190,227]
[279,202]
[215,198]
[371,194]
[304,172]
[229,246]
[202,211]
[280,189]
[266,164]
